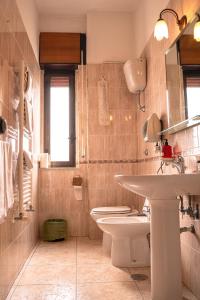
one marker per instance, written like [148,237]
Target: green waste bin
[54,230]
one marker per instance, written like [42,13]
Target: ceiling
[81,7]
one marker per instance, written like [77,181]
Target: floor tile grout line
[138,288]
[51,264]
[81,283]
[42,284]
[12,290]
[27,263]
[17,280]
[103,282]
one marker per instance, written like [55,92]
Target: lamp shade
[161,30]
[197,31]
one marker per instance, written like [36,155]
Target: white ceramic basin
[120,226]
[161,186]
[162,192]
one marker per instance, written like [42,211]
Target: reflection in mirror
[192,92]
[183,78]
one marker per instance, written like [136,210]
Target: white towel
[8,170]
[2,183]
[14,167]
[28,159]
[28,115]
[29,86]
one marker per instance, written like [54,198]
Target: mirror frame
[188,122]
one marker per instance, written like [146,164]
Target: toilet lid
[112,210]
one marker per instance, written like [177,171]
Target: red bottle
[166,150]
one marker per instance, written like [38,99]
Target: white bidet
[107,212]
[130,243]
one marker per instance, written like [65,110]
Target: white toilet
[112,211]
[130,240]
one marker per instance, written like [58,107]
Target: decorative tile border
[152,158]
[117,161]
[109,161]
[190,152]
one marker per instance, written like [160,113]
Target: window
[192,92]
[60,117]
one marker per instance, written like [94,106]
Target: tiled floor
[76,269]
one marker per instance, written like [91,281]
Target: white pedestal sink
[162,190]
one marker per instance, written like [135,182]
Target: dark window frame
[48,73]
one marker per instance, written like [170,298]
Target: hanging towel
[27,159]
[8,168]
[14,166]
[29,83]
[2,183]
[28,115]
[103,108]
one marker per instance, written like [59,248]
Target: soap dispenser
[166,150]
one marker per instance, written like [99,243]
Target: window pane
[59,123]
[193,101]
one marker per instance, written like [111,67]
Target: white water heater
[135,74]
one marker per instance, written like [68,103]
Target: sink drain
[139,277]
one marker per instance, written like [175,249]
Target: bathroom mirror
[183,81]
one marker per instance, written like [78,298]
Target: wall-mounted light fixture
[161,28]
[197,29]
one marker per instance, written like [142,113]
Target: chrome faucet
[178,163]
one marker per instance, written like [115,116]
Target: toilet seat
[105,210]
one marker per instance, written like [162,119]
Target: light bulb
[161,30]
[197,31]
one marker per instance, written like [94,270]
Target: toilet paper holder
[77,183]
